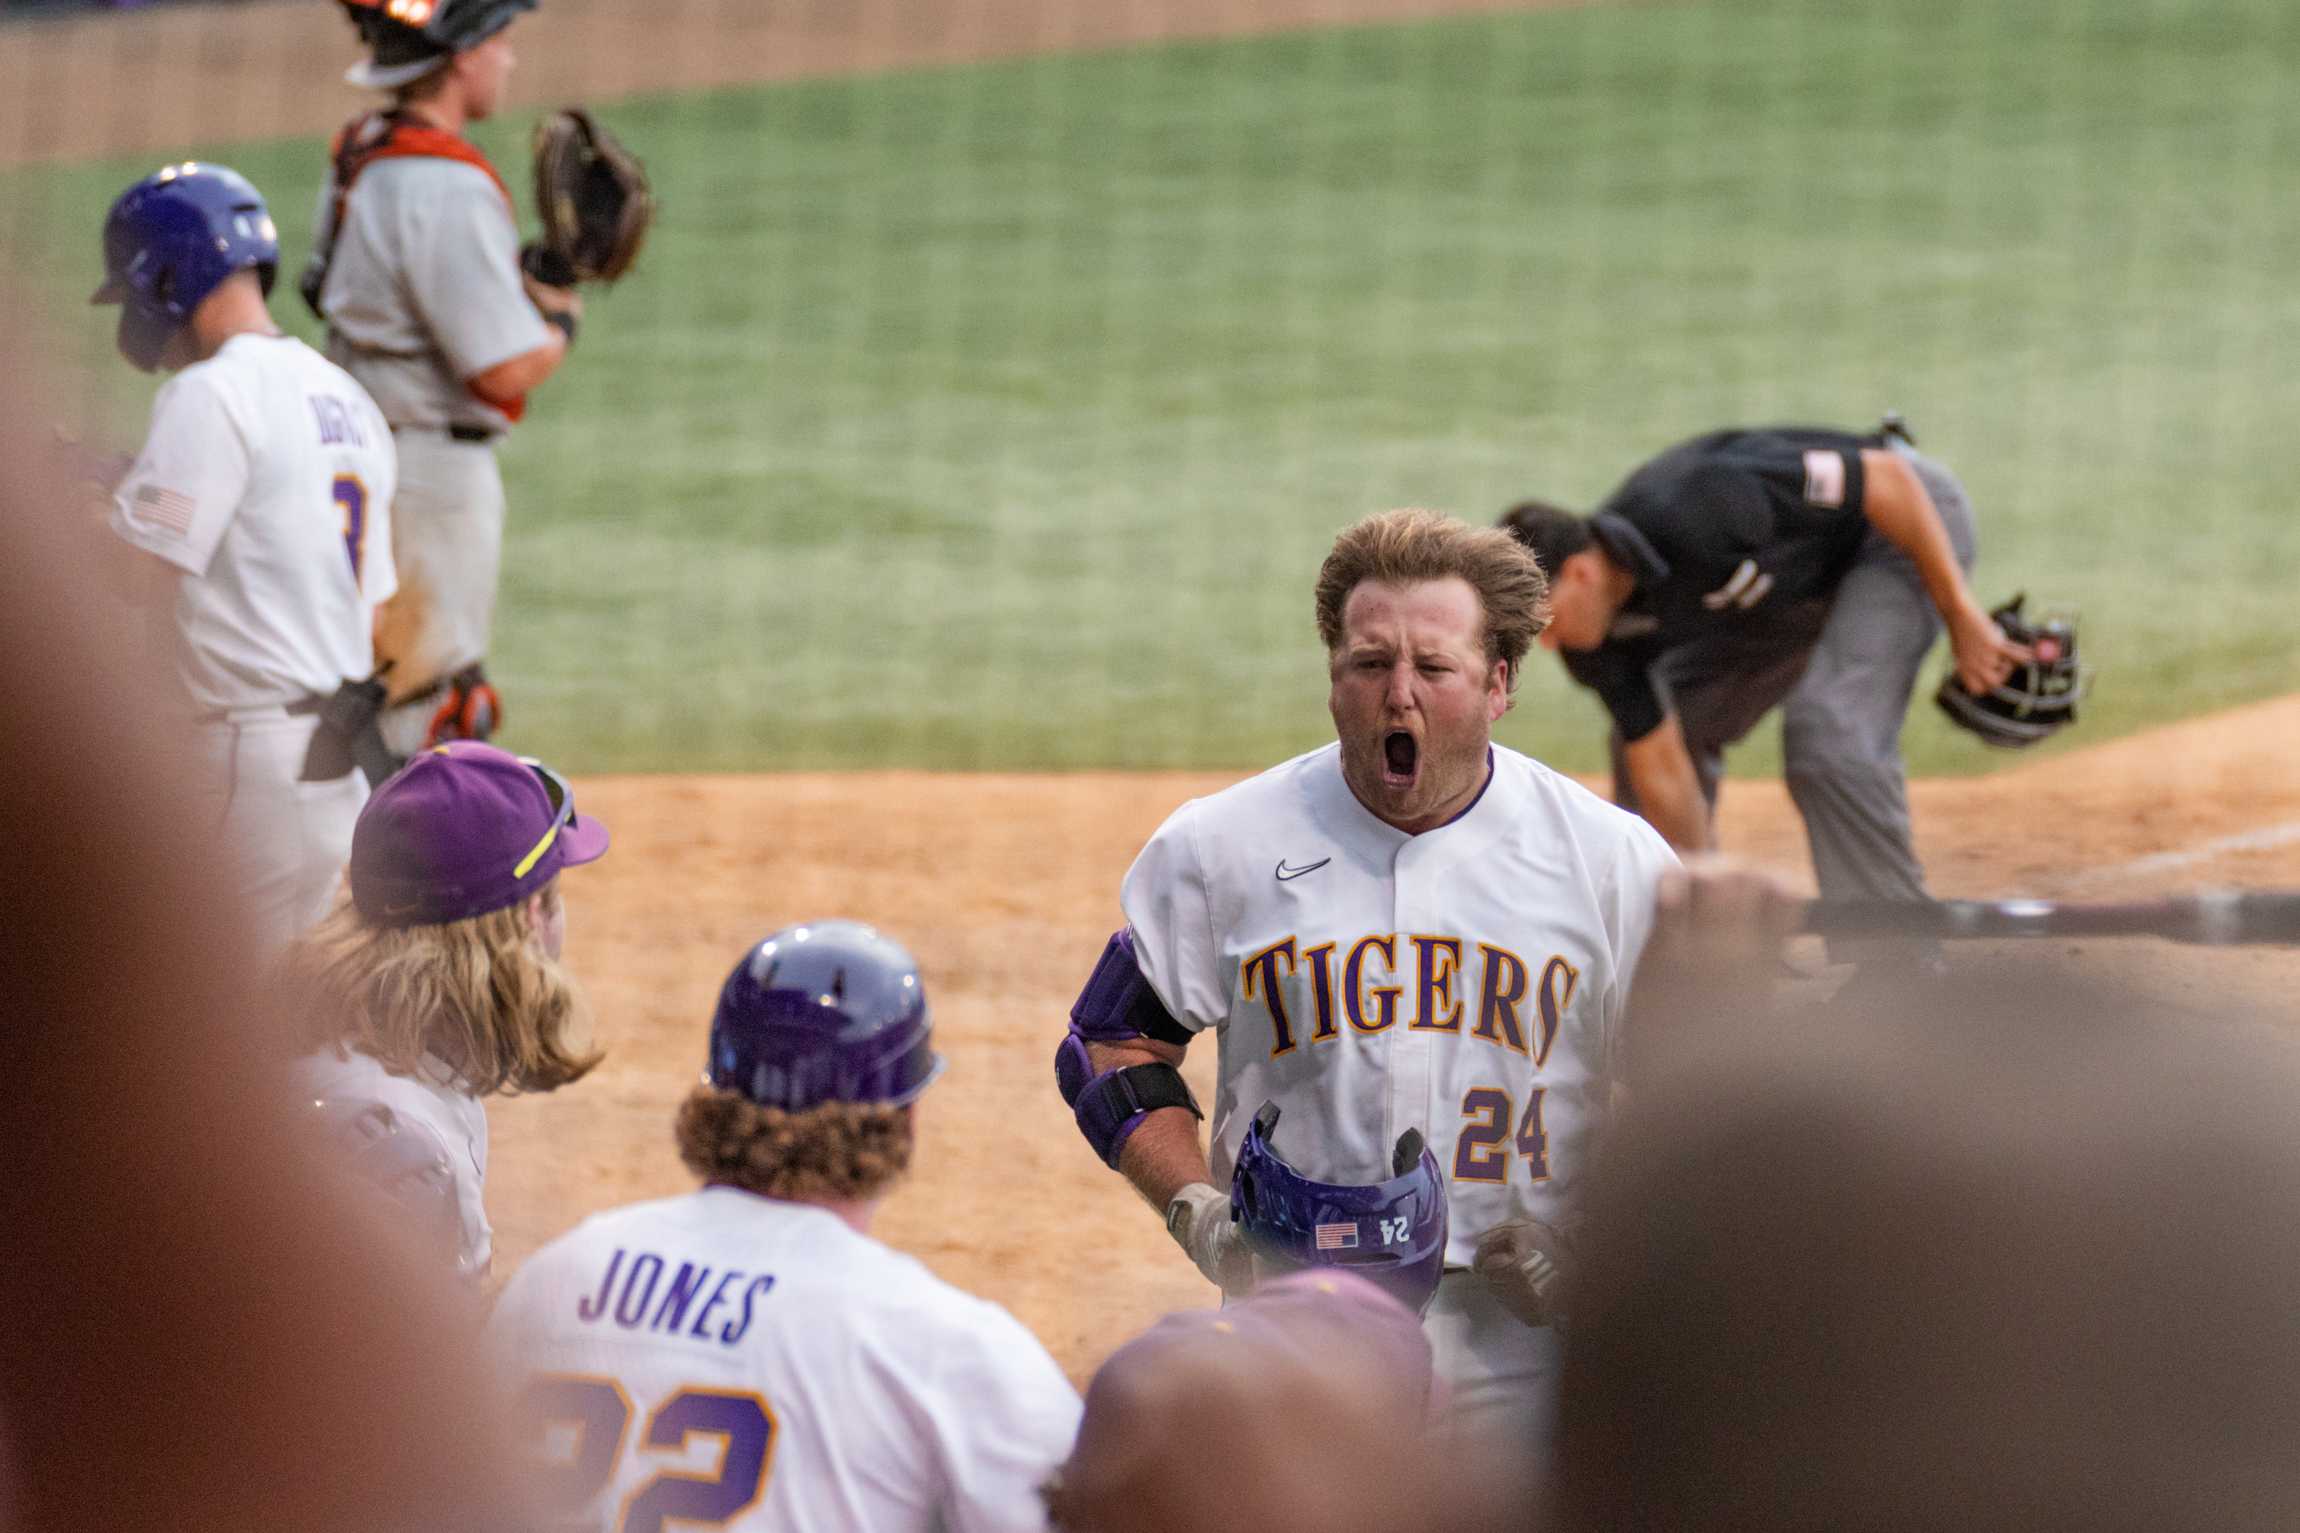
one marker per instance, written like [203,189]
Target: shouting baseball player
[260,508]
[440,981]
[1747,568]
[1409,929]
[746,1355]
[416,269]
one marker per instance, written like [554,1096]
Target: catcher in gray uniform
[432,305]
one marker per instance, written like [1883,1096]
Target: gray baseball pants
[447,539]
[1843,672]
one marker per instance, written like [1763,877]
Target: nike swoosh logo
[1285,872]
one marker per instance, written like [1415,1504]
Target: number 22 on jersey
[578,1423]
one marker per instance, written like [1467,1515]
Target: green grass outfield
[998,417]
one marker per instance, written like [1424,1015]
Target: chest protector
[359,144]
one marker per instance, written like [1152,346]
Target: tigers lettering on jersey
[627,1297]
[1476,990]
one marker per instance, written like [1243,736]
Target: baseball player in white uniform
[262,497]
[416,269]
[747,1356]
[441,980]
[1409,929]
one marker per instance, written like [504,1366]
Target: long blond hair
[476,995]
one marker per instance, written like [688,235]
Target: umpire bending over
[1745,568]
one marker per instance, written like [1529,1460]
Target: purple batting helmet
[171,240]
[827,1011]
[1393,1232]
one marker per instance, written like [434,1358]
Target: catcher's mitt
[594,199]
[2037,699]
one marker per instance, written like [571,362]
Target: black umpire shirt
[1725,533]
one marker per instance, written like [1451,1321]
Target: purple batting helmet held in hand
[1392,1232]
[827,1011]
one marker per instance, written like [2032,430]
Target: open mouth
[1401,756]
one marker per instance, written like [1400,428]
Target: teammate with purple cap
[841,1383]
[439,981]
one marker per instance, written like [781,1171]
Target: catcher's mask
[407,39]
[1392,1232]
[2038,698]
[827,1011]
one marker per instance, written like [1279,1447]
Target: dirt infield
[1006,886]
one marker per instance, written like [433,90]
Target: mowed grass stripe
[998,417]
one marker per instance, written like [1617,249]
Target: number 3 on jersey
[1482,1152]
[351,494]
[578,1424]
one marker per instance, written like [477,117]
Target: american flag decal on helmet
[1337,1237]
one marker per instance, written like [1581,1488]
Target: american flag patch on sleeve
[1337,1237]
[165,510]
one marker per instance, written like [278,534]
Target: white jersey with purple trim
[434,1098]
[1469,981]
[729,1360]
[266,481]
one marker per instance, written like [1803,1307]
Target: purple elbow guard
[1111,1105]
[1104,1010]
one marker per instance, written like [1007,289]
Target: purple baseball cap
[464,829]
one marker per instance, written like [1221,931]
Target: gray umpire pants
[1843,672]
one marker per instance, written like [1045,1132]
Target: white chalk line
[2267,838]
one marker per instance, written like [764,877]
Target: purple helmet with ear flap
[826,1011]
[1393,1232]
[171,240]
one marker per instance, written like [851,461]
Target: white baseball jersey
[729,1360]
[1468,981]
[434,1099]
[267,479]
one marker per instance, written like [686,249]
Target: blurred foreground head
[209,1324]
[1303,1407]
[2014,1252]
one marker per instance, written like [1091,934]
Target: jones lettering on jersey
[338,422]
[628,1296]
[1496,991]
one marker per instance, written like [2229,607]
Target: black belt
[459,431]
[347,736]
